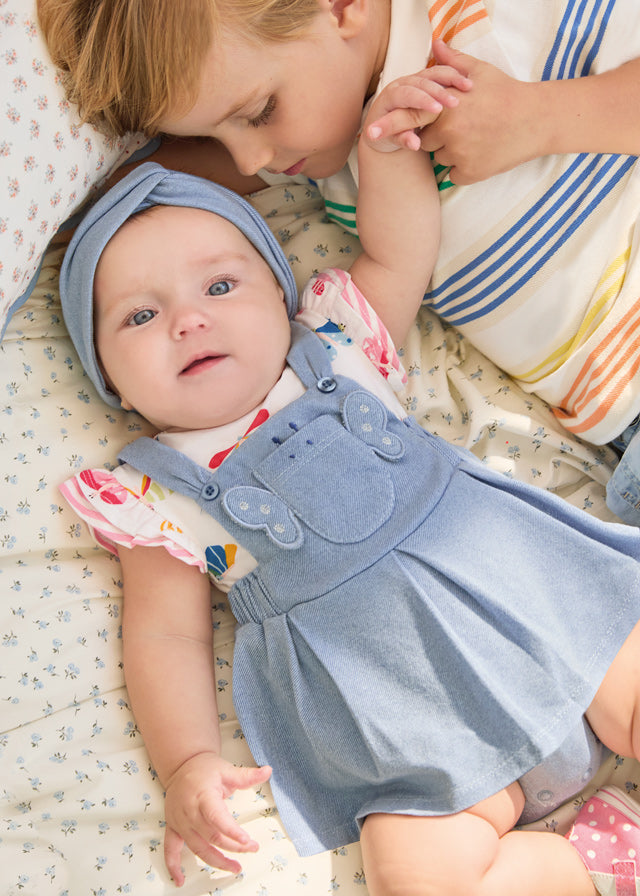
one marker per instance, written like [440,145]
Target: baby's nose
[188,320]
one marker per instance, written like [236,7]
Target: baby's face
[191,326]
[292,107]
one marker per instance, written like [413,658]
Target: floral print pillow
[49,161]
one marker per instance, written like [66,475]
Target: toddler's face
[292,107]
[191,326]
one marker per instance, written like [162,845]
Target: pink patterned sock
[606,833]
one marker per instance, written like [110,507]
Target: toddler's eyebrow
[237,107]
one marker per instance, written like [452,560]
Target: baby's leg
[473,853]
[614,714]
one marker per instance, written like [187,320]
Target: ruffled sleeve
[125,508]
[349,318]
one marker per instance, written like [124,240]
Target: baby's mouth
[201,363]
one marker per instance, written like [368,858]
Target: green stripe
[344,222]
[341,208]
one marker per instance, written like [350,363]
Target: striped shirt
[539,267]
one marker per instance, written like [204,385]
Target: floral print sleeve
[335,309]
[125,508]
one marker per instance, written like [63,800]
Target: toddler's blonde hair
[128,63]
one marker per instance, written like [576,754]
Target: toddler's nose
[251,155]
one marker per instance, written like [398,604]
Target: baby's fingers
[446,76]
[213,834]
[396,129]
[173,845]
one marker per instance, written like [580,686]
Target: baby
[407,669]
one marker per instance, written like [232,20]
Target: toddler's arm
[503,122]
[170,676]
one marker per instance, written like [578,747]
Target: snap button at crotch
[326,384]
[210,491]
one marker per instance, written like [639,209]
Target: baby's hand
[410,103]
[197,816]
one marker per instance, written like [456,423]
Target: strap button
[326,384]
[210,491]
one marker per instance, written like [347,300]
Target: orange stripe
[460,26]
[619,384]
[464,18]
[436,7]
[604,403]
[596,357]
[614,357]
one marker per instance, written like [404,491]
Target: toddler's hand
[407,104]
[197,816]
[493,128]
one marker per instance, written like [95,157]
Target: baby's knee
[428,856]
[614,713]
[403,877]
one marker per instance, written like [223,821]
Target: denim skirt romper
[419,631]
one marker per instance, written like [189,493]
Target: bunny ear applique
[256,508]
[366,418]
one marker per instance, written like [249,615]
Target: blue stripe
[546,74]
[599,37]
[562,232]
[573,35]
[551,194]
[535,233]
[562,236]
[579,44]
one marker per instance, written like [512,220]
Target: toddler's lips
[295,169]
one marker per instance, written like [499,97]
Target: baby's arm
[503,122]
[170,677]
[398,212]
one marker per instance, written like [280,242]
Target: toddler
[407,669]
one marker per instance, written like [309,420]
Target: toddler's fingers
[446,55]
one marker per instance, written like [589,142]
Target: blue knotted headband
[144,187]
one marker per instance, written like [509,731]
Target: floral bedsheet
[81,811]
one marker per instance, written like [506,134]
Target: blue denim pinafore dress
[420,631]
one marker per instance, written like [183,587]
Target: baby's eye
[220,288]
[141,317]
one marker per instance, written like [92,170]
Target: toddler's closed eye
[265,115]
